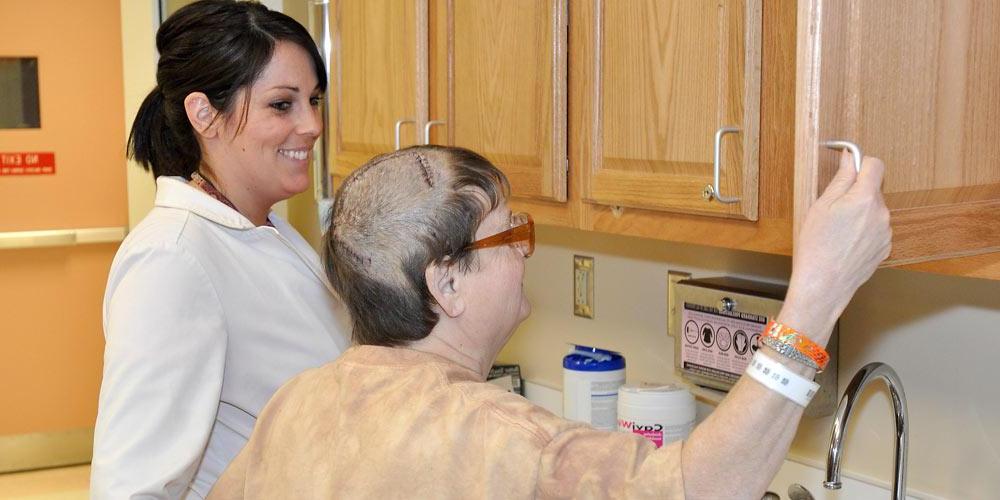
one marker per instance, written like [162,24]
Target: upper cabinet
[671,103]
[915,84]
[488,75]
[698,121]
[377,87]
[498,87]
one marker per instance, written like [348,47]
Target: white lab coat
[205,316]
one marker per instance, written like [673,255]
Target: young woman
[213,301]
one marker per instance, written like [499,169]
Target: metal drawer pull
[712,191]
[850,146]
[427,130]
[399,124]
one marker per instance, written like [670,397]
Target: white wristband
[780,379]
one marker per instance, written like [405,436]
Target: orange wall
[50,363]
[79,50]
[50,299]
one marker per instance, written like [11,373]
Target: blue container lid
[592,359]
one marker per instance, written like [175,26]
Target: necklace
[200,182]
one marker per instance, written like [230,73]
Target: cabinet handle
[427,129]
[399,125]
[850,146]
[713,190]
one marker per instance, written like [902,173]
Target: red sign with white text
[27,163]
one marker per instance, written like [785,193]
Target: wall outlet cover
[583,286]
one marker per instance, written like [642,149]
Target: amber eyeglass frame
[523,232]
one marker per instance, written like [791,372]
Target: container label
[718,344]
[604,404]
[659,434]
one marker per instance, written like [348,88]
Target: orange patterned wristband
[784,335]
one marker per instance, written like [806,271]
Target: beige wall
[942,335]
[140,19]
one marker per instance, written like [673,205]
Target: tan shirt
[397,423]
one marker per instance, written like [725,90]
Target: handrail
[61,237]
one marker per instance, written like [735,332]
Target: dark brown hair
[212,46]
[395,216]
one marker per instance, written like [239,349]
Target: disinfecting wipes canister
[591,378]
[660,413]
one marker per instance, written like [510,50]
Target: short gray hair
[392,218]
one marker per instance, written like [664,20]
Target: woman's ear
[445,286]
[201,114]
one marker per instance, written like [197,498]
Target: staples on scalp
[425,169]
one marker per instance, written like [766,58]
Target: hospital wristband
[776,332]
[789,351]
[780,379]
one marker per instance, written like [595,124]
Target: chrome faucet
[861,379]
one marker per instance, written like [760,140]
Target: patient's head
[393,218]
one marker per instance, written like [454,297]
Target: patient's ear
[445,286]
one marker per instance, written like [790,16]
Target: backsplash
[940,333]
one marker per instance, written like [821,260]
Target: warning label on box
[718,344]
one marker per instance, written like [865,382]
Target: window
[19,90]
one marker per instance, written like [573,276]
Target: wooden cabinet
[498,87]
[633,92]
[377,79]
[664,80]
[915,84]
[486,75]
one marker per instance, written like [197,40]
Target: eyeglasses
[521,236]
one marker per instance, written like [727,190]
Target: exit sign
[27,163]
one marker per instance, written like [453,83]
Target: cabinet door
[664,77]
[498,87]
[52,276]
[915,84]
[377,78]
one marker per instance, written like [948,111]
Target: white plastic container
[591,378]
[660,413]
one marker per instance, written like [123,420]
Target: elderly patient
[426,253]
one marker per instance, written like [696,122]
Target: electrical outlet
[583,286]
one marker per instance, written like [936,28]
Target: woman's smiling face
[267,158]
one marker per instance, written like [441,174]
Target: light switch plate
[583,286]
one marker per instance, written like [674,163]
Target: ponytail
[161,144]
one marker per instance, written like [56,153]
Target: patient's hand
[845,236]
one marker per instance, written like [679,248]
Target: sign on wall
[27,163]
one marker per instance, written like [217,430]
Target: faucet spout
[865,375]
